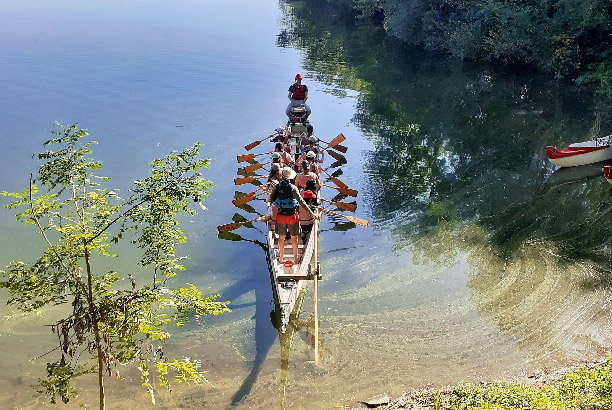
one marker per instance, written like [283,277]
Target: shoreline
[440,398]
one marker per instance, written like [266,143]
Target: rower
[306,219]
[279,136]
[307,173]
[310,157]
[286,198]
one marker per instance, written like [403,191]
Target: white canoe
[581,153]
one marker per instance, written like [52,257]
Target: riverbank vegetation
[570,39]
[110,323]
[587,387]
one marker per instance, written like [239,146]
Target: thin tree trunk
[94,319]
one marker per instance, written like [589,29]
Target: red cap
[308,194]
[298,75]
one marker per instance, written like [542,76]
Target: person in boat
[304,140]
[306,219]
[281,156]
[279,136]
[273,179]
[307,173]
[298,94]
[286,199]
[310,157]
[313,186]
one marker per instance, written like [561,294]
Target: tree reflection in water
[459,170]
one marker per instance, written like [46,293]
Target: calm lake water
[482,261]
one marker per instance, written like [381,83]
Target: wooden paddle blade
[245,180]
[338,182]
[243,200]
[336,141]
[253,167]
[347,191]
[245,157]
[346,206]
[252,145]
[336,155]
[229,227]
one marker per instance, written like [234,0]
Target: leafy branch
[75,216]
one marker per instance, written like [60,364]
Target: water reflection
[458,172]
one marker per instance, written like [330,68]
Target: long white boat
[288,278]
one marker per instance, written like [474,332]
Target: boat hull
[581,153]
[287,283]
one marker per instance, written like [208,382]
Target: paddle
[336,141]
[345,191]
[342,205]
[334,179]
[338,147]
[248,180]
[354,219]
[236,225]
[254,144]
[248,157]
[248,197]
[255,167]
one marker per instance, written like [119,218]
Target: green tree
[79,219]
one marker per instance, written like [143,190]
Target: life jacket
[298,92]
[284,202]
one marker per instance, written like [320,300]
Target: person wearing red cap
[298,94]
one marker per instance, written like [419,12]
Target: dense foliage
[570,38]
[81,222]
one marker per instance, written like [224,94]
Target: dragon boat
[288,278]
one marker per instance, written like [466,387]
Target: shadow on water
[265,335]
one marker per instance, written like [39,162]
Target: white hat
[275,155]
[310,154]
[279,129]
[288,173]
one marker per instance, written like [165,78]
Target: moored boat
[582,153]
